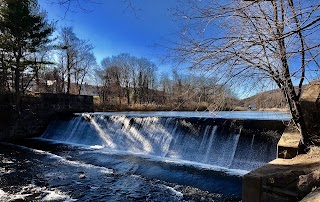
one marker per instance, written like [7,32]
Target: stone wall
[36,113]
[283,180]
[290,178]
[310,101]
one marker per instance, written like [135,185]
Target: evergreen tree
[23,31]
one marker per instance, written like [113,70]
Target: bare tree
[68,43]
[145,80]
[125,62]
[88,6]
[40,62]
[75,58]
[134,77]
[112,83]
[255,40]
[164,86]
[84,62]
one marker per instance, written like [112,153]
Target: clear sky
[113,27]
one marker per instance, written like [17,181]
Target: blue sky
[113,27]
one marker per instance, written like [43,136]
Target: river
[141,156]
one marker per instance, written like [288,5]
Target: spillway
[224,142]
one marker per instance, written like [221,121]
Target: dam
[205,150]
[213,141]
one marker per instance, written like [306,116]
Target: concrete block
[288,145]
[314,196]
[251,188]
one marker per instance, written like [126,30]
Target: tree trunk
[79,89]
[297,116]
[135,92]
[68,73]
[128,95]
[68,80]
[17,89]
[17,82]
[295,105]
[4,77]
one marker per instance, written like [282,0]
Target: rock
[314,196]
[307,182]
[82,175]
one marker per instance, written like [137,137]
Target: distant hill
[268,100]
[265,100]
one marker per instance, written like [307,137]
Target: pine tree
[24,29]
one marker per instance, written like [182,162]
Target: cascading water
[217,142]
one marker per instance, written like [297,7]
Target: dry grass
[274,109]
[239,108]
[314,151]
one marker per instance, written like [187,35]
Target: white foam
[178,194]
[55,195]
[2,193]
[201,166]
[66,161]
[5,171]
[50,195]
[7,161]
[96,147]
[233,172]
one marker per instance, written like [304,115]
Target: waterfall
[218,142]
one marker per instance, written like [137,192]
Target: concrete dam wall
[36,113]
[228,143]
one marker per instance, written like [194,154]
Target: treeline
[31,60]
[132,83]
